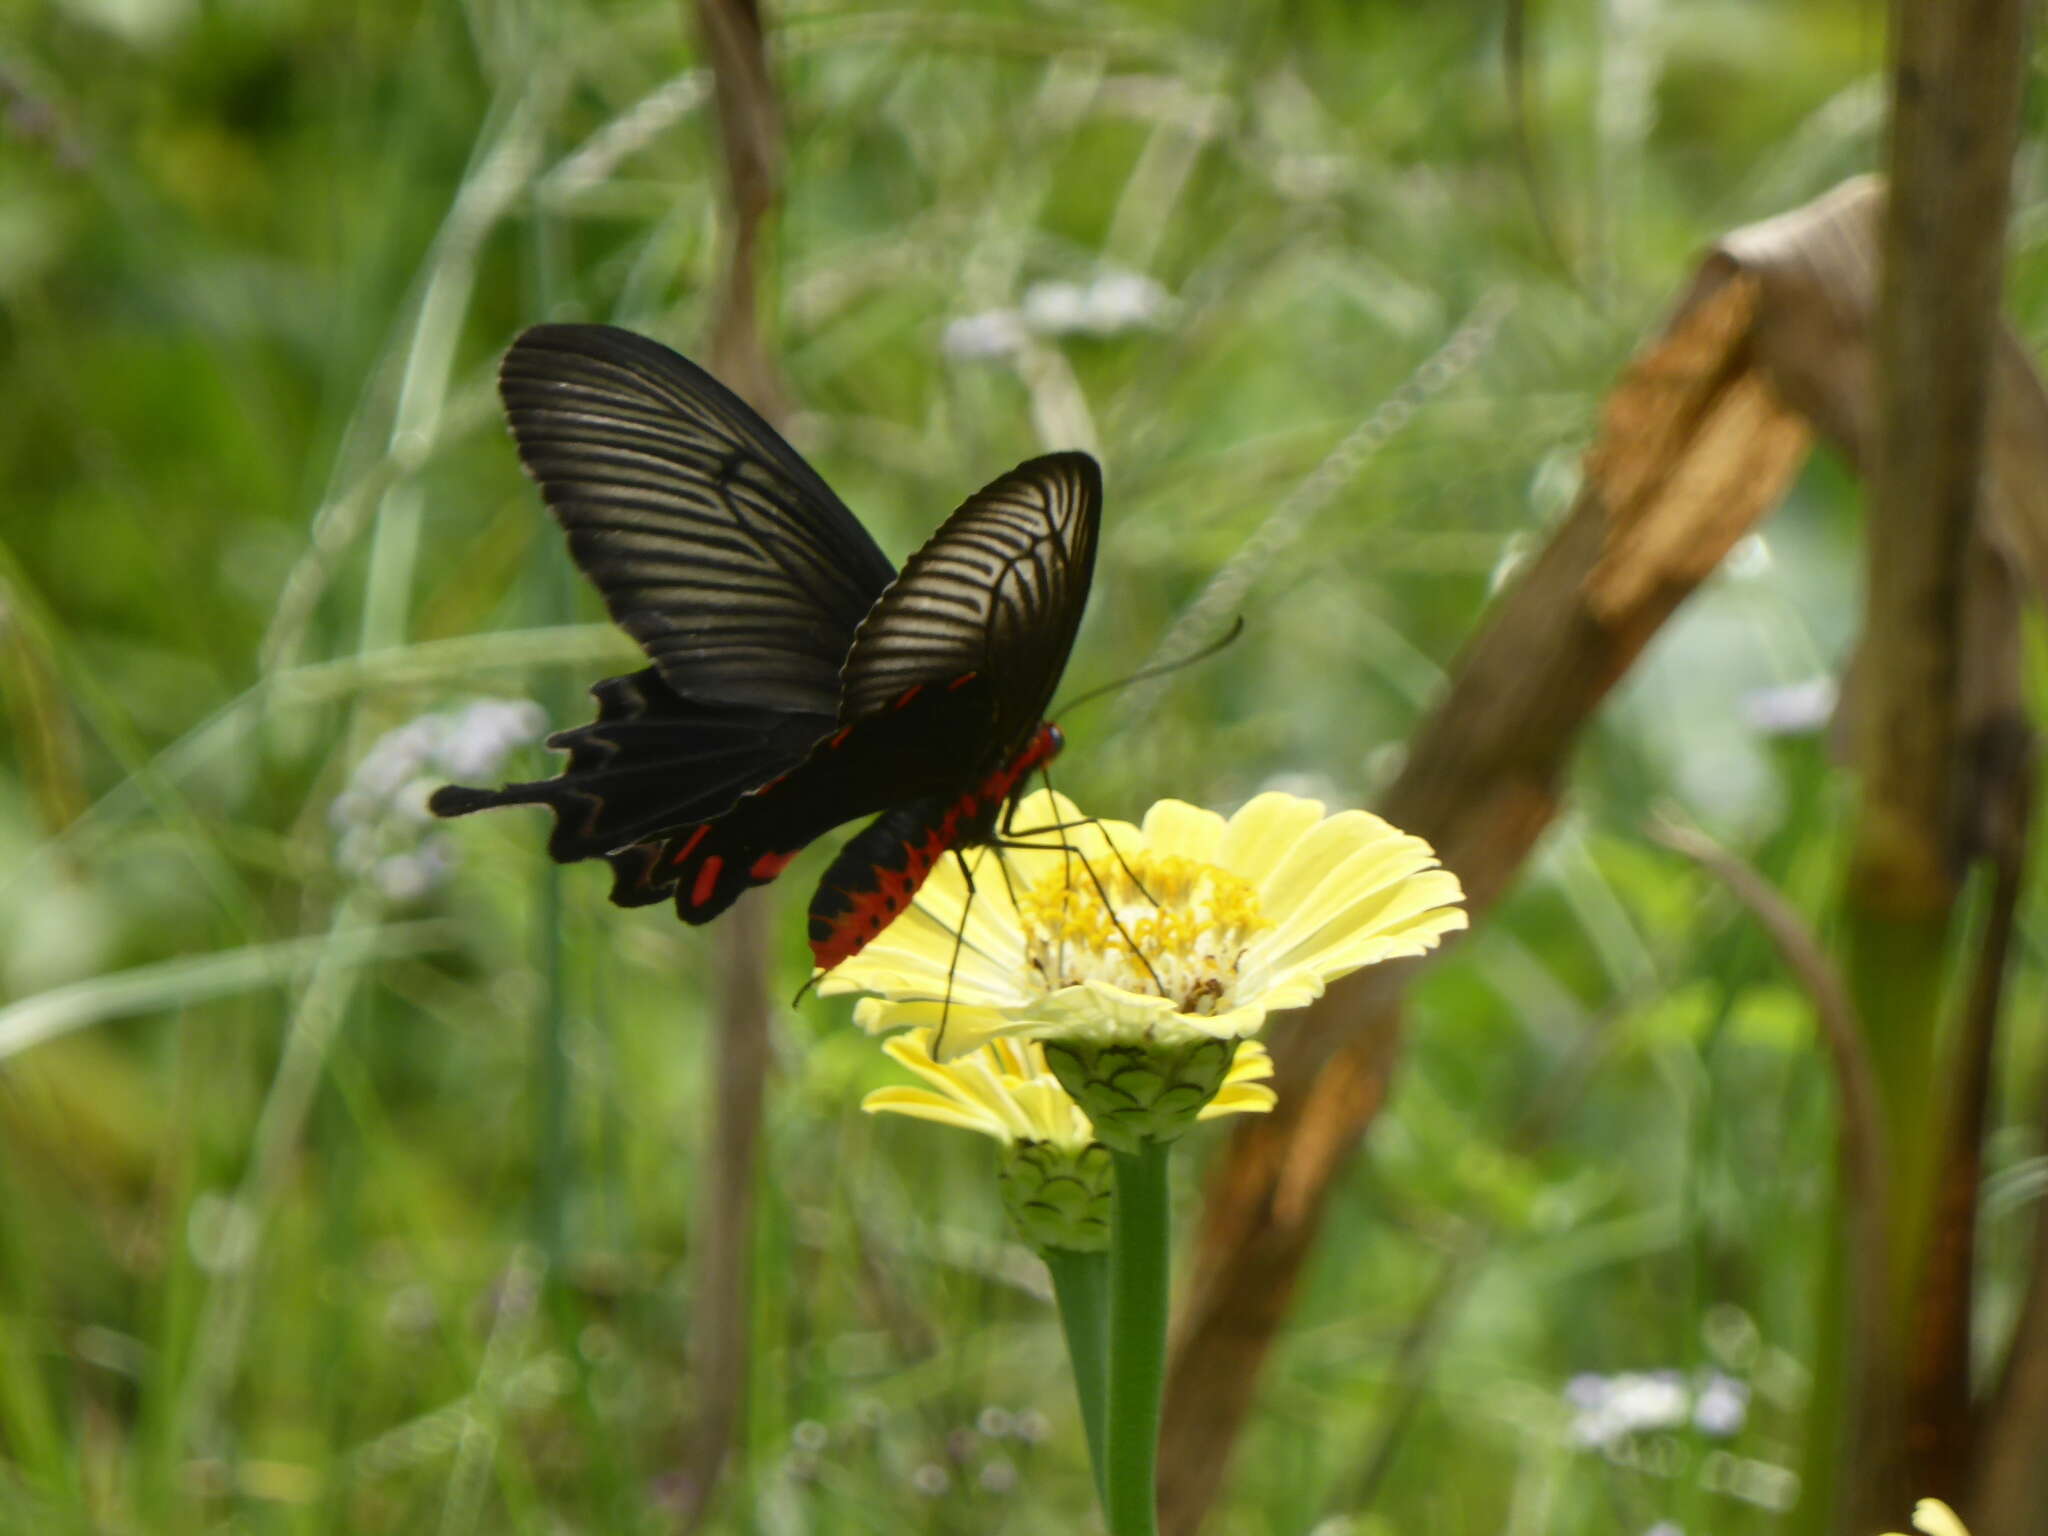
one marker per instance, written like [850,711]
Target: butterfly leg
[1009,831]
[959,938]
[1009,837]
[1102,892]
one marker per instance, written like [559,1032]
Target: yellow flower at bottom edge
[1055,1178]
[1191,925]
[1934,1518]
[1005,1090]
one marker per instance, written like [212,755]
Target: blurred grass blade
[232,727]
[179,983]
[1212,610]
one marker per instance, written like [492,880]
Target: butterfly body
[880,869]
[797,681]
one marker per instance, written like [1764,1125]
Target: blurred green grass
[269,1134]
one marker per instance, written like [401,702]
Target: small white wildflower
[1056,308]
[1790,709]
[1720,1405]
[809,1435]
[984,337]
[1749,558]
[1124,301]
[1612,1408]
[998,1476]
[482,735]
[1107,305]
[380,819]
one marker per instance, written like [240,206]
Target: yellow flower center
[1154,924]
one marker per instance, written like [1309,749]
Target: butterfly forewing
[997,591]
[715,546]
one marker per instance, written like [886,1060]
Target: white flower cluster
[383,831]
[1609,1409]
[1106,305]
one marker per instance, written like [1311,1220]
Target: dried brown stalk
[1771,343]
[1692,451]
[750,134]
[1957,67]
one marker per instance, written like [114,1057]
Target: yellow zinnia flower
[1174,939]
[1193,926]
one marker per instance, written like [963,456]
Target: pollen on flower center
[1154,924]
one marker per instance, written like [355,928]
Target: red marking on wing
[908,694]
[769,865]
[707,880]
[683,853]
[839,738]
[962,680]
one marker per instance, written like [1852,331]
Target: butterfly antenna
[1144,674]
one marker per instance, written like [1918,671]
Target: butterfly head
[1046,744]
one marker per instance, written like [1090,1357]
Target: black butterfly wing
[909,751]
[997,592]
[650,762]
[716,547]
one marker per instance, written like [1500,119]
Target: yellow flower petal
[1252,1064]
[1264,828]
[1175,827]
[920,1105]
[1937,1519]
[1006,1092]
[1239,1099]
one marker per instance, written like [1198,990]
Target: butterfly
[797,681]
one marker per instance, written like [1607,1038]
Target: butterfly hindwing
[716,547]
[903,752]
[652,760]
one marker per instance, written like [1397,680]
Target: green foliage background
[291,1238]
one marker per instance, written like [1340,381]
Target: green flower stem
[1138,1288]
[1080,1283]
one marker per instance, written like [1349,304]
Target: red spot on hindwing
[689,847]
[769,865]
[707,881]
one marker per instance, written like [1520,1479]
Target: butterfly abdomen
[879,872]
[876,876]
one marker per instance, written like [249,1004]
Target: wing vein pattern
[997,591]
[716,547]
